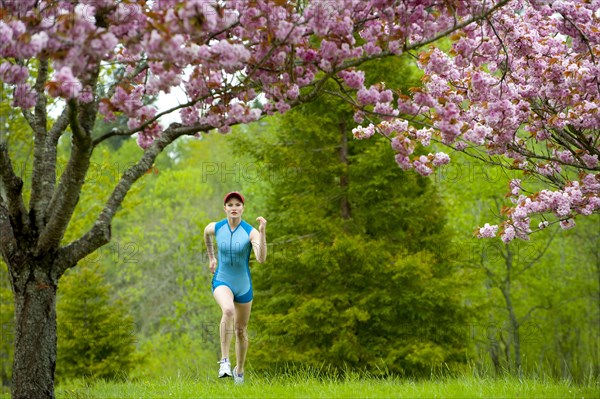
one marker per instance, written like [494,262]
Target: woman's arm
[258,238]
[209,233]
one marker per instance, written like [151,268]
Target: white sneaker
[224,368]
[237,378]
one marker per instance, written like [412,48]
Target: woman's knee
[241,330]
[228,312]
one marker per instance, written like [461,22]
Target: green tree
[95,333]
[565,340]
[357,275]
[105,165]
[537,303]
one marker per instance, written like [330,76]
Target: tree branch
[12,187]
[89,110]
[455,27]
[8,243]
[81,117]
[129,132]
[100,233]
[40,143]
[40,105]
[30,118]
[46,189]
[37,120]
[538,257]
[531,310]
[142,66]
[491,275]
[113,132]
[66,196]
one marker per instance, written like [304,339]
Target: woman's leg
[224,298]
[242,316]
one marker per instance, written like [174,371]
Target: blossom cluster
[521,80]
[577,198]
[522,86]
[222,54]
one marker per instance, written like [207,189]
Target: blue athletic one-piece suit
[233,268]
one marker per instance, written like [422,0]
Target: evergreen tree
[95,334]
[358,274]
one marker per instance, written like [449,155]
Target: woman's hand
[212,265]
[262,224]
[260,243]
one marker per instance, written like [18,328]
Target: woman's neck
[234,222]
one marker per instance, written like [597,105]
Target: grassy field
[307,386]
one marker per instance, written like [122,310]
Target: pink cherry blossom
[363,132]
[567,224]
[524,86]
[520,84]
[488,231]
[440,159]
[508,234]
[15,74]
[24,96]
[65,84]
[515,187]
[354,79]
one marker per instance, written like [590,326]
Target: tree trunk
[35,334]
[516,339]
[344,179]
[512,316]
[494,350]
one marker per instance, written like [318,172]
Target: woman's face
[234,207]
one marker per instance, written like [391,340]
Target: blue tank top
[233,258]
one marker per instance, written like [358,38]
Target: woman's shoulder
[220,224]
[210,226]
[247,227]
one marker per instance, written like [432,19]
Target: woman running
[231,283]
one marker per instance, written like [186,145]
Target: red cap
[233,194]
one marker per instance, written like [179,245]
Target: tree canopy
[519,87]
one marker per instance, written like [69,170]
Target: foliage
[176,353]
[356,275]
[563,334]
[160,262]
[96,335]
[554,291]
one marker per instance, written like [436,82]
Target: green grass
[305,385]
